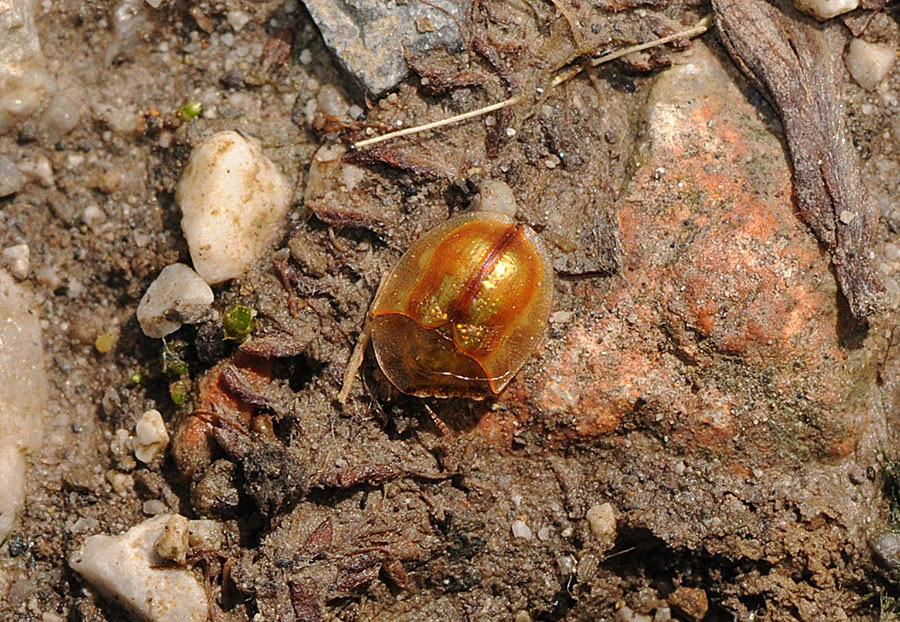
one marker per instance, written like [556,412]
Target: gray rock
[886,548]
[370,37]
[11,180]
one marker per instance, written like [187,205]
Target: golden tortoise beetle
[462,310]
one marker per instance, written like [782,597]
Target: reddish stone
[721,331]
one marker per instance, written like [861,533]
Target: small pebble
[825,9]
[177,296]
[11,179]
[692,601]
[37,168]
[662,614]
[237,19]
[521,530]
[868,62]
[153,507]
[173,543]
[205,535]
[625,614]
[496,196]
[92,216]
[305,56]
[522,616]
[602,520]
[567,565]
[561,317]
[106,341]
[331,101]
[846,216]
[234,202]
[886,547]
[122,483]
[17,260]
[150,436]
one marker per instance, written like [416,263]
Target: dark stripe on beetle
[467,294]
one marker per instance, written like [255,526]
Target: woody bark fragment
[790,63]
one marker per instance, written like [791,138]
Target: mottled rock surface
[371,39]
[23,393]
[725,295]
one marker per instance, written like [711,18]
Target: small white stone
[602,519]
[128,570]
[521,530]
[846,216]
[37,168]
[567,565]
[561,317]
[150,436]
[495,196]
[332,101]
[93,216]
[177,296]
[17,259]
[234,201]
[662,614]
[237,19]
[205,535]
[825,9]
[305,56]
[153,507]
[868,62]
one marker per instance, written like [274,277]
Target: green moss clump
[237,322]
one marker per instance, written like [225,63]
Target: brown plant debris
[790,63]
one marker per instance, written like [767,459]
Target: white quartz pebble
[233,201]
[177,296]
[868,62]
[825,9]
[128,570]
[23,394]
[150,436]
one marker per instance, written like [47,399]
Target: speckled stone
[372,39]
[721,333]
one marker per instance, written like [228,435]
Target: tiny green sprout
[237,322]
[190,110]
[138,377]
[173,363]
[179,391]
